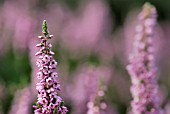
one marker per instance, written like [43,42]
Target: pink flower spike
[144,87]
[48,101]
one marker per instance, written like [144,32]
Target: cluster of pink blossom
[48,100]
[144,87]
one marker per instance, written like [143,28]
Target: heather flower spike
[144,87]
[97,103]
[48,102]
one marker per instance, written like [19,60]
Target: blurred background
[92,41]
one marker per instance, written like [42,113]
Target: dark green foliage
[14,74]
[15,68]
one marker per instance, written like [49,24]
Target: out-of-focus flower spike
[97,104]
[144,87]
[22,100]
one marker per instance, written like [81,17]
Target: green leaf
[62,104]
[55,111]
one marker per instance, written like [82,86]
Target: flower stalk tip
[45,28]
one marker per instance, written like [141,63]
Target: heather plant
[144,87]
[48,102]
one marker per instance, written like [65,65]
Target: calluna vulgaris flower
[48,101]
[144,87]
